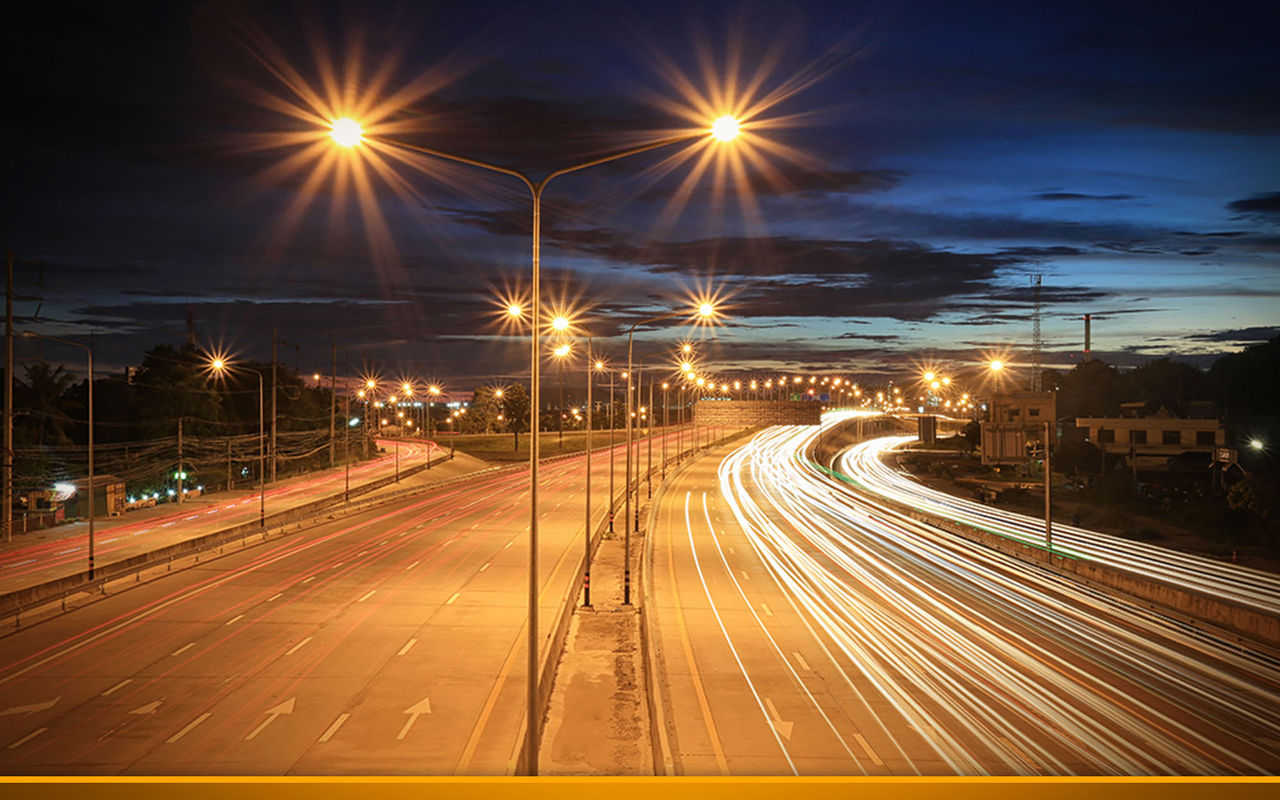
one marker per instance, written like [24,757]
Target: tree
[1248,382]
[515,407]
[42,390]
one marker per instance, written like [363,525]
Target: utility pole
[333,401]
[8,398]
[180,472]
[1048,483]
[275,341]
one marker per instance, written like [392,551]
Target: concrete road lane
[803,630]
[388,642]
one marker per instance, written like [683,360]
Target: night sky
[907,168]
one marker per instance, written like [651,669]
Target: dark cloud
[1260,333]
[1261,206]
[1079,196]
[870,337]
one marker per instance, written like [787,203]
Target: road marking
[473,527]
[297,646]
[119,685]
[745,576]
[731,551]
[190,726]
[275,597]
[72,550]
[803,664]
[767,612]
[486,566]
[335,566]
[309,580]
[446,543]
[411,566]
[284,708]
[26,738]
[783,728]
[32,708]
[233,620]
[362,552]
[513,541]
[149,708]
[449,602]
[384,541]
[866,748]
[367,596]
[183,649]
[414,711]
[332,729]
[407,647]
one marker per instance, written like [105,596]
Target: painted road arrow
[414,711]
[31,709]
[284,708]
[781,727]
[149,708]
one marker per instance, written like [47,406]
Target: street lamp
[349,133]
[219,366]
[704,311]
[89,352]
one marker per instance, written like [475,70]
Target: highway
[801,628]
[42,556]
[1254,588]
[388,642]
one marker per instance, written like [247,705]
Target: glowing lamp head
[725,128]
[560,323]
[218,365]
[515,310]
[562,351]
[706,311]
[686,367]
[347,132]
[1256,444]
[996,366]
[929,376]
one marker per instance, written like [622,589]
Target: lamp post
[89,352]
[704,311]
[348,133]
[220,367]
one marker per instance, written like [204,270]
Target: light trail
[1258,590]
[959,656]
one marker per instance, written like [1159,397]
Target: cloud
[1258,333]
[1260,206]
[1079,196]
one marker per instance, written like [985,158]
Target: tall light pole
[704,311]
[348,133]
[89,352]
[219,366]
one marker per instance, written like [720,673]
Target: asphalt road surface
[388,642]
[804,629]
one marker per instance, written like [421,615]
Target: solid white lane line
[233,620]
[26,738]
[190,726]
[183,649]
[119,685]
[407,647]
[297,646]
[367,596]
[332,729]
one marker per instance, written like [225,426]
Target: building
[1016,426]
[1156,440]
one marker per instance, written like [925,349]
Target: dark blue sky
[937,156]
